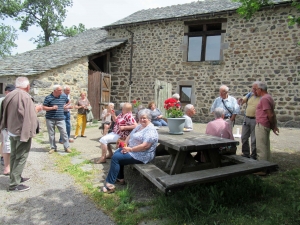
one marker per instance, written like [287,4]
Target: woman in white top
[106,117]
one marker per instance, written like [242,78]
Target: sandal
[99,161]
[121,182]
[83,136]
[75,137]
[6,174]
[108,190]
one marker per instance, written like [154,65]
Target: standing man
[67,114]
[189,111]
[248,128]
[54,107]
[228,103]
[20,120]
[265,121]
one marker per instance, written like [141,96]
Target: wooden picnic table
[182,169]
[180,148]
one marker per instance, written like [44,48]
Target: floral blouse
[148,135]
[123,120]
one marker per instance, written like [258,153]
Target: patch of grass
[244,200]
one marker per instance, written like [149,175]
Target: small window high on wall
[204,40]
[185,94]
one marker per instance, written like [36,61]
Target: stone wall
[74,75]
[264,48]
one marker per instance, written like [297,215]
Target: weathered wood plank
[215,174]
[151,172]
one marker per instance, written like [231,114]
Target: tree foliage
[8,34]
[249,7]
[49,16]
[7,40]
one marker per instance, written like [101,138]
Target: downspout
[131,56]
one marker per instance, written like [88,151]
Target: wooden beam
[94,65]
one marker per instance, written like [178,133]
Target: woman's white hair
[145,112]
[55,87]
[176,96]
[22,82]
[111,104]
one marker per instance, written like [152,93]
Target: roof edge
[110,27]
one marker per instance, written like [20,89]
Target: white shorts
[109,138]
[5,141]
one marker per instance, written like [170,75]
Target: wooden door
[163,91]
[98,91]
[104,91]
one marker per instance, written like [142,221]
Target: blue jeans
[118,161]
[159,122]
[68,125]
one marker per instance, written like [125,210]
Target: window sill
[213,63]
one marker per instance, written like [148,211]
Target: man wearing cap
[228,103]
[5,145]
[20,119]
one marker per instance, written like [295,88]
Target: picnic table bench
[182,170]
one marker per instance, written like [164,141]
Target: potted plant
[135,104]
[174,116]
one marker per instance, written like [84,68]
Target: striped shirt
[60,101]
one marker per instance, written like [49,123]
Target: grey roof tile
[182,10]
[61,53]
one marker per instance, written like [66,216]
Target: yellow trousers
[81,122]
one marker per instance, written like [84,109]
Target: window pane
[213,46]
[185,94]
[195,46]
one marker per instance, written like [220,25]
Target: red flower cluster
[135,103]
[172,107]
[171,102]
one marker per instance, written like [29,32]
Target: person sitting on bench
[139,147]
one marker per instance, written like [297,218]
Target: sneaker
[20,188]
[52,150]
[23,179]
[68,150]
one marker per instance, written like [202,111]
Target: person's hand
[55,107]
[240,101]
[125,150]
[276,130]
[122,128]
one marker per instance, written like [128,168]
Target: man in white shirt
[189,111]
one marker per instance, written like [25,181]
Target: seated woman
[124,124]
[141,145]
[156,116]
[106,117]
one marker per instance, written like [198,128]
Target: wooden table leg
[214,157]
[178,162]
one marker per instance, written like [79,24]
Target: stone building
[66,62]
[169,47]
[191,49]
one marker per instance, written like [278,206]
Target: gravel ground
[55,199]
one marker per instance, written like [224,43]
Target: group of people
[259,120]
[137,137]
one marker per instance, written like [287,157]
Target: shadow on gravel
[55,207]
[39,150]
[286,161]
